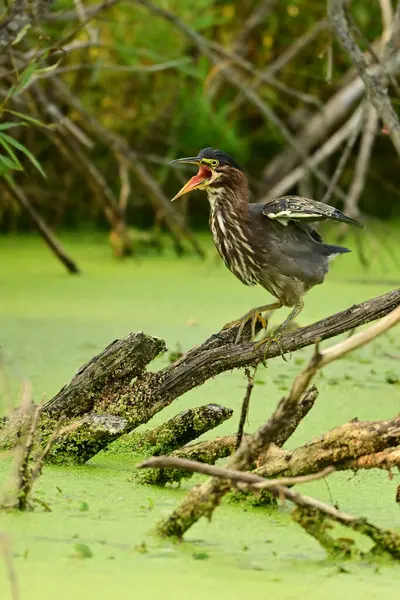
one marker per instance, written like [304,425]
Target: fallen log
[116,382]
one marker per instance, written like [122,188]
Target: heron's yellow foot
[268,340]
[254,316]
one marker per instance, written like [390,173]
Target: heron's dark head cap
[214,167]
[219,155]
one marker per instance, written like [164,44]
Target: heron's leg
[295,313]
[275,337]
[253,315]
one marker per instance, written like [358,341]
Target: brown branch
[116,381]
[362,163]
[326,150]
[245,407]
[317,126]
[282,60]
[255,18]
[351,140]
[375,84]
[257,482]
[41,227]
[202,501]
[178,431]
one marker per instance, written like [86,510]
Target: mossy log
[85,438]
[188,425]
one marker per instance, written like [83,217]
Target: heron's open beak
[203,176]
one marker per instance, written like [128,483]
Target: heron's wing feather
[297,208]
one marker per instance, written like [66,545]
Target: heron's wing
[297,208]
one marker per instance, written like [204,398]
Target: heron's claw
[254,316]
[273,338]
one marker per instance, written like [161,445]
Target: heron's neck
[229,225]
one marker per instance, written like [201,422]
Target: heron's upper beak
[204,175]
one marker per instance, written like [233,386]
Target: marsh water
[97,541]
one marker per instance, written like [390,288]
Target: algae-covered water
[97,541]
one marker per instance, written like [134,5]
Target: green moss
[51,324]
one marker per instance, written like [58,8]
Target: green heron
[268,244]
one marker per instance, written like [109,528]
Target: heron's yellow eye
[214,163]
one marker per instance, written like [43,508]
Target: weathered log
[355,445]
[107,376]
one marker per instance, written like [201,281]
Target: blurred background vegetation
[99,97]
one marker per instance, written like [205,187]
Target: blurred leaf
[24,78]
[24,150]
[22,34]
[27,118]
[10,151]
[9,124]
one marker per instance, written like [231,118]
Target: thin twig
[387,541]
[245,406]
[257,482]
[98,66]
[282,60]
[326,150]
[42,227]
[351,140]
[363,159]
[375,84]
[256,17]
[116,142]
[23,475]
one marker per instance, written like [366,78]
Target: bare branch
[230,75]
[374,81]
[245,406]
[118,144]
[256,17]
[257,482]
[343,160]
[362,163]
[41,227]
[326,150]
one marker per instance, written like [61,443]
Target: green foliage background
[176,111]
